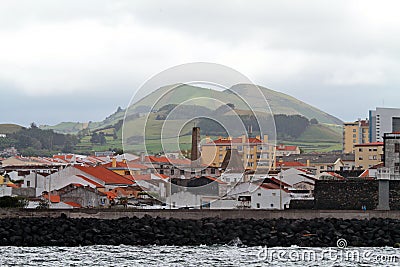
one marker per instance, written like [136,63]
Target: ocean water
[197,256]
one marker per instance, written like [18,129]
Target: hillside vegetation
[9,128]
[292,119]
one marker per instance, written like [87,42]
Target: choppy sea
[197,256]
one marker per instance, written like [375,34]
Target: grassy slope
[321,137]
[320,133]
[9,128]
[285,104]
[280,104]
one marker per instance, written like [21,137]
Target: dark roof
[313,158]
[348,157]
[232,161]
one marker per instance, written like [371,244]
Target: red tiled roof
[154,159]
[290,164]
[279,181]
[251,140]
[104,174]
[90,181]
[365,174]
[73,204]
[162,176]
[273,186]
[137,166]
[143,177]
[118,164]
[53,198]
[110,195]
[286,148]
[370,144]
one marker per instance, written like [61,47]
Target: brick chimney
[195,155]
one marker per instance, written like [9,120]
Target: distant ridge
[279,103]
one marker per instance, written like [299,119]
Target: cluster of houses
[229,180]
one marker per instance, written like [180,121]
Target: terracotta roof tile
[104,174]
[290,164]
[73,204]
[53,198]
[90,181]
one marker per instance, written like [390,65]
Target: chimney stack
[195,155]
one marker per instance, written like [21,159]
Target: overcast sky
[80,60]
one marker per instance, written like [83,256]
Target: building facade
[368,155]
[256,153]
[355,133]
[383,120]
[392,154]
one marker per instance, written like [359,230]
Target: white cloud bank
[67,47]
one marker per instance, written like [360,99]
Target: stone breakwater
[320,232]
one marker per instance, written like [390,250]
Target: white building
[256,196]
[381,121]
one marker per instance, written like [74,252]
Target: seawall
[201,214]
[147,230]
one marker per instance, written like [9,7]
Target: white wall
[5,191]
[184,199]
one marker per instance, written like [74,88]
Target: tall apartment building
[355,133]
[392,154]
[381,121]
[256,153]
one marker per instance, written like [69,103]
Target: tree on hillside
[313,121]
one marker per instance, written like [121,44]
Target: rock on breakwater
[320,232]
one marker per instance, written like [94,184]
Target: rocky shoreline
[320,232]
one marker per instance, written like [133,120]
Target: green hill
[9,128]
[279,103]
[320,133]
[328,131]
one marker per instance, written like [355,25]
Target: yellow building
[256,153]
[368,154]
[355,133]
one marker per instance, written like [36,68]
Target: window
[397,167]
[127,172]
[360,150]
[172,171]
[161,171]
[259,194]
[28,183]
[321,167]
[212,171]
[258,205]
[354,130]
[273,194]
[354,135]
[182,172]
[272,205]
[203,171]
[397,147]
